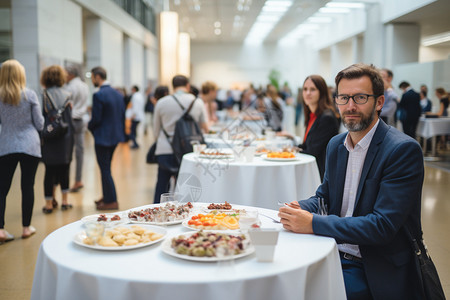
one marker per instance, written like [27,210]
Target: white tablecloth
[259,183]
[276,143]
[429,127]
[304,267]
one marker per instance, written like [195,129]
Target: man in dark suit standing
[372,191]
[107,126]
[410,103]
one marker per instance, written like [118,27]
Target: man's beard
[361,125]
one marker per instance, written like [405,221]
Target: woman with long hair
[320,120]
[21,120]
[57,153]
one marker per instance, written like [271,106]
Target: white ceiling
[199,23]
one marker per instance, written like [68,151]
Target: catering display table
[432,127]
[304,267]
[259,183]
[277,142]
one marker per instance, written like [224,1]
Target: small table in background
[430,128]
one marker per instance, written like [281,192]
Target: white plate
[93,218]
[159,223]
[186,225]
[79,237]
[166,247]
[279,159]
[152,223]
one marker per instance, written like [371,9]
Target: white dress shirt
[355,163]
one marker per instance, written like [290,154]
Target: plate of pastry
[122,237]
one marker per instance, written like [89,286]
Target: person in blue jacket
[371,191]
[107,127]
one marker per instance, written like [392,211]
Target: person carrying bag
[55,126]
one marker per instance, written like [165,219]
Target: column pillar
[341,57]
[357,49]
[373,36]
[24,19]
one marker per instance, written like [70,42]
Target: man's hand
[296,219]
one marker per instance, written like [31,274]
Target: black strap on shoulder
[182,107]
[53,106]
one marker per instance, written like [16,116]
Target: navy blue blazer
[108,117]
[388,197]
[323,129]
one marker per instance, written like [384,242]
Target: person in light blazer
[107,127]
[21,120]
[320,121]
[372,189]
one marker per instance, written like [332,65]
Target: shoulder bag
[54,124]
[426,269]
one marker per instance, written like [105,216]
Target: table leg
[425,144]
[433,146]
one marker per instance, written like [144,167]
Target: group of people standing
[64,106]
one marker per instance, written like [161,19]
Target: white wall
[427,54]
[135,64]
[60,30]
[239,65]
[151,64]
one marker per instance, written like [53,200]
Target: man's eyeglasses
[357,98]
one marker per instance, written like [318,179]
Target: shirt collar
[364,143]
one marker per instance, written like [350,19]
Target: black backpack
[186,132]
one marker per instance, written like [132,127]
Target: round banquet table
[259,183]
[304,267]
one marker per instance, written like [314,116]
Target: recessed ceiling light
[345,4]
[217,24]
[217,31]
[436,39]
[334,10]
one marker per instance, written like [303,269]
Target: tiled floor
[135,186]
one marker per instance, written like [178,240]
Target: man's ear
[380,102]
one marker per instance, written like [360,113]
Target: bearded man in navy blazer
[372,189]
[107,126]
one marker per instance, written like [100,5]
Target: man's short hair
[135,87]
[388,72]
[403,85]
[72,71]
[359,70]
[99,71]
[208,86]
[179,80]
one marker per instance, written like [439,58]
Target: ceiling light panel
[345,4]
[436,39]
[270,15]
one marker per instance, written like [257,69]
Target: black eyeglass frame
[352,97]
